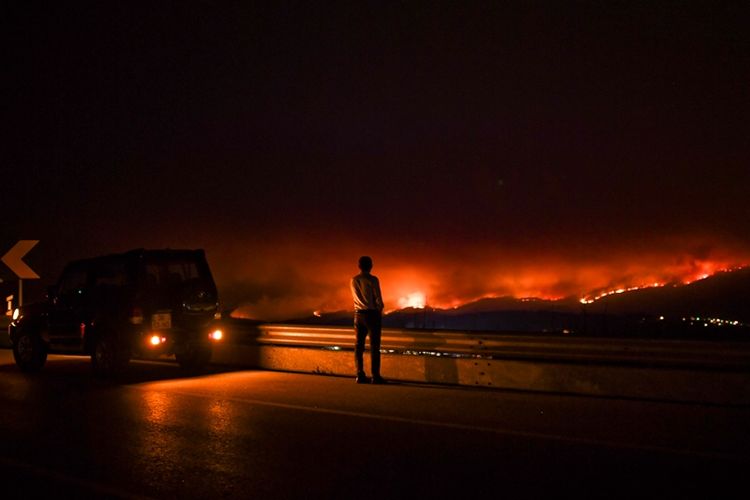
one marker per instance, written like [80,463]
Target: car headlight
[16,313]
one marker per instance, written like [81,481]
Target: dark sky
[473,148]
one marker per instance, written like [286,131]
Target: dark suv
[143,303]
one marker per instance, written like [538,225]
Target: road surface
[157,433]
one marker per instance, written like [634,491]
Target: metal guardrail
[662,353]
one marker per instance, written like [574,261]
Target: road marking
[44,472]
[463,427]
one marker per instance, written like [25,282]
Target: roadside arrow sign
[13,257]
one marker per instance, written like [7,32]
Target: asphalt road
[255,434]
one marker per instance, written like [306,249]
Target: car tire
[29,352]
[193,357]
[108,357]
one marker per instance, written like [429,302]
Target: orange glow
[706,270]
[216,335]
[593,298]
[155,340]
[416,300]
[282,283]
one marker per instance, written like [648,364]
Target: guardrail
[676,353]
[704,371]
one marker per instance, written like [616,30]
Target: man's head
[365,263]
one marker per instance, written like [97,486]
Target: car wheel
[29,352]
[108,358]
[193,357]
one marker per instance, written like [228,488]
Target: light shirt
[366,292]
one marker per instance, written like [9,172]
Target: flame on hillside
[283,284]
[415,300]
[707,271]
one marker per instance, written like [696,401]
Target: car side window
[110,276]
[73,283]
[153,275]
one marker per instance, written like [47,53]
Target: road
[157,433]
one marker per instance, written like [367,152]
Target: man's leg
[375,324]
[360,327]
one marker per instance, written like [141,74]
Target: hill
[717,307]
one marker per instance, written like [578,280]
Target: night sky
[472,148]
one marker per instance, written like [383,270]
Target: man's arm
[355,291]
[379,296]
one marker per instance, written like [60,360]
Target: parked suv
[143,303]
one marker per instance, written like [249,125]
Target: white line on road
[463,427]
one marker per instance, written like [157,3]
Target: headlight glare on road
[216,335]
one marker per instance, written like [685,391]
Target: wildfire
[707,270]
[416,300]
[616,291]
[451,283]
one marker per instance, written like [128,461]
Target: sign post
[13,258]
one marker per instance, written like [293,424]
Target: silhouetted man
[368,308]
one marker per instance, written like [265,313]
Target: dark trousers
[367,322]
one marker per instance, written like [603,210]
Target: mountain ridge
[722,301]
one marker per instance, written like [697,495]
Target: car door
[108,299]
[68,314]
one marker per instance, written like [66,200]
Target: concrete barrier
[705,372]
[686,371]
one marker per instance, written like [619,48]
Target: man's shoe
[379,380]
[362,379]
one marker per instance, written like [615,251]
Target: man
[368,308]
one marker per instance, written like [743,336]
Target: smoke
[284,278]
